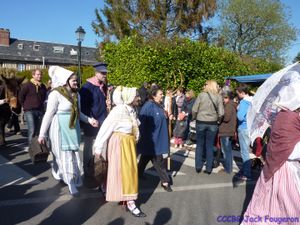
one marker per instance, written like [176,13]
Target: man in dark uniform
[93,104]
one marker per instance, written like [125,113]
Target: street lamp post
[80,36]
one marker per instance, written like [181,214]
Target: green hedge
[172,64]
[176,63]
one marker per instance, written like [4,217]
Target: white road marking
[13,175]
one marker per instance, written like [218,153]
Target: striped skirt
[66,165]
[122,175]
[276,199]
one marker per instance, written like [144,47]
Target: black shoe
[167,188]
[198,170]
[207,172]
[140,214]
[101,189]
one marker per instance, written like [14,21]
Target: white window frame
[20,46]
[58,49]
[36,47]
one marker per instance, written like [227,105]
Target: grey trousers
[87,151]
[158,163]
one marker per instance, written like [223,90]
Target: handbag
[96,171]
[38,152]
[220,118]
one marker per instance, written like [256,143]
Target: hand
[2,101]
[93,122]
[42,140]
[97,155]
[108,103]
[171,117]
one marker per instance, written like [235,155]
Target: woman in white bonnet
[62,116]
[116,141]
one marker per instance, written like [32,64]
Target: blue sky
[57,20]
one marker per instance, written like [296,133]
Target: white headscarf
[124,95]
[59,76]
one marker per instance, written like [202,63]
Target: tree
[153,18]
[297,58]
[258,28]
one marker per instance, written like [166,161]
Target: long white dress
[66,165]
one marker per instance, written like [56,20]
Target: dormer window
[20,46]
[36,47]
[58,49]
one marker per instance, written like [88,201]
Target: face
[226,100]
[73,82]
[179,93]
[37,76]
[158,97]
[101,76]
[136,100]
[240,94]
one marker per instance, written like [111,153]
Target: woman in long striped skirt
[116,141]
[277,192]
[61,124]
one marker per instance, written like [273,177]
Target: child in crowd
[180,129]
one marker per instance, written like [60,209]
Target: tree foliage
[175,63]
[152,18]
[258,28]
[297,58]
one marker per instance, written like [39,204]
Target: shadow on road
[75,211]
[22,206]
[162,217]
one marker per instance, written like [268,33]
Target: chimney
[4,37]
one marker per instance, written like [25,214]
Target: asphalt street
[29,194]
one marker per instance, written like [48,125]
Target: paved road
[29,195]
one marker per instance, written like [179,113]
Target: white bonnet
[59,75]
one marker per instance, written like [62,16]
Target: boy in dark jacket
[227,130]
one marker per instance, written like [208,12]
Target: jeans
[227,153]
[244,140]
[34,120]
[206,135]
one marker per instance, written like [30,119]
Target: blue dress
[154,138]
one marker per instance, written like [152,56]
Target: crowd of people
[122,123]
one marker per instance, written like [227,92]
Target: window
[21,67]
[20,46]
[58,49]
[36,47]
